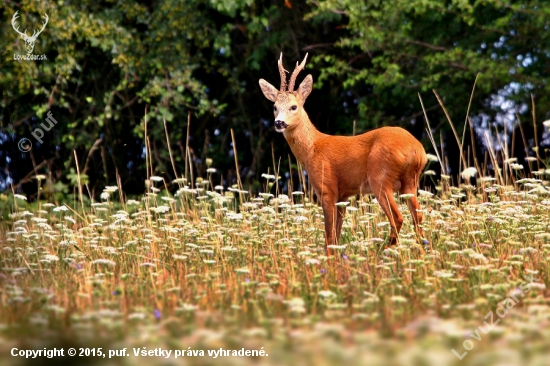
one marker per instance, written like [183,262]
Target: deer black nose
[280,125]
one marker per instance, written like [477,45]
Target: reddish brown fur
[381,162]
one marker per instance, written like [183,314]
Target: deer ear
[270,92]
[305,87]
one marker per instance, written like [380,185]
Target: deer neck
[301,139]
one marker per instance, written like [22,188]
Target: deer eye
[274,108]
[294,107]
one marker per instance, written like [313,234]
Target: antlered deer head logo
[29,40]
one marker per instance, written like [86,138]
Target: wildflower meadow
[201,271]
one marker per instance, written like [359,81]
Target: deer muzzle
[280,125]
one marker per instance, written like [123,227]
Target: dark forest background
[112,64]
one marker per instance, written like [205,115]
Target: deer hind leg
[416,216]
[411,188]
[386,201]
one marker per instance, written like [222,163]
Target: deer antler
[299,67]
[282,73]
[25,36]
[14,25]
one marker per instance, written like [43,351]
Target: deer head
[288,109]
[29,40]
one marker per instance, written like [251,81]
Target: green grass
[211,269]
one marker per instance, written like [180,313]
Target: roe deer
[381,161]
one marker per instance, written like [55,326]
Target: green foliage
[403,47]
[118,69]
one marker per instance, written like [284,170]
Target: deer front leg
[329,210]
[341,212]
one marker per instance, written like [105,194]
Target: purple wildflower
[157,313]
